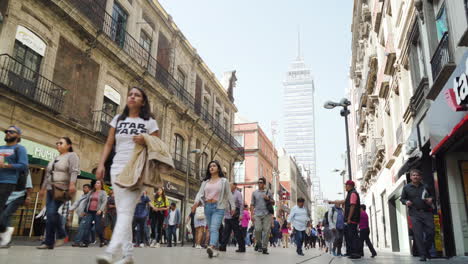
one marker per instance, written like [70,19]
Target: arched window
[179,147]
[203,164]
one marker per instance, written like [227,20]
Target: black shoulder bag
[269,205]
[109,160]
[22,177]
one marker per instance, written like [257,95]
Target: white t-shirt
[124,145]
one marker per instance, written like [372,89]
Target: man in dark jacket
[352,215]
[417,197]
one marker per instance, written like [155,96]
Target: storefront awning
[460,130]
[43,163]
[411,163]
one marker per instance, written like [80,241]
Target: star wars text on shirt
[131,128]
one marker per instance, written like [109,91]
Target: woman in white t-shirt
[125,132]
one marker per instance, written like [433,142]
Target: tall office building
[299,118]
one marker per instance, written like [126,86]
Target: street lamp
[194,151]
[344,113]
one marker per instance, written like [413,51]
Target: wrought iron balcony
[367,165]
[102,122]
[112,29]
[20,79]
[442,66]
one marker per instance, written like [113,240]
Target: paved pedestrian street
[188,255]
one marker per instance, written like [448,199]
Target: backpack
[22,177]
[339,218]
[325,219]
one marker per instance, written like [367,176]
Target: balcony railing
[110,27]
[102,122]
[20,79]
[180,163]
[366,164]
[441,56]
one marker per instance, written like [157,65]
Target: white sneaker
[153,244]
[142,245]
[198,247]
[125,260]
[158,245]
[5,237]
[215,253]
[104,259]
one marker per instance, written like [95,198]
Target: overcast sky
[258,38]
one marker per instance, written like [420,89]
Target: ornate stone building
[407,55]
[66,68]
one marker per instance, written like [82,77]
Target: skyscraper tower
[299,117]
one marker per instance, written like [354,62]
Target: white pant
[125,203]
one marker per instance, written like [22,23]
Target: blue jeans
[214,217]
[86,227]
[299,238]
[10,209]
[54,221]
[171,232]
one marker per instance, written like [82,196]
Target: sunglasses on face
[10,132]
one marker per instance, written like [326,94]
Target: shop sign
[173,188]
[457,97]
[31,40]
[112,94]
[37,150]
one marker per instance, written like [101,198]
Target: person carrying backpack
[336,220]
[327,231]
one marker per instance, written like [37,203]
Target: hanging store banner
[31,40]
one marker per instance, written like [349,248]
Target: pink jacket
[245,218]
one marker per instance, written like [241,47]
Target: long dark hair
[69,142]
[220,170]
[145,111]
[285,225]
[163,195]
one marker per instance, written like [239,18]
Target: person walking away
[313,236]
[125,132]
[320,236]
[78,207]
[158,213]
[231,222]
[94,207]
[336,219]
[200,225]
[13,163]
[299,218]
[215,193]
[171,223]
[419,200]
[308,237]
[15,200]
[285,233]
[262,216]
[276,231]
[245,220]
[191,220]
[111,212]
[364,232]
[140,216]
[61,172]
[64,212]
[327,231]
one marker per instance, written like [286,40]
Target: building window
[179,147]
[416,57]
[203,164]
[239,138]
[441,22]
[29,58]
[239,172]
[119,23]
[226,124]
[145,41]
[218,116]
[181,77]
[206,104]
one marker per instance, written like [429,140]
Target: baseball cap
[16,128]
[350,182]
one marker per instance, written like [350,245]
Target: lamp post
[344,113]
[194,151]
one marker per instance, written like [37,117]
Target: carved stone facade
[66,68]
